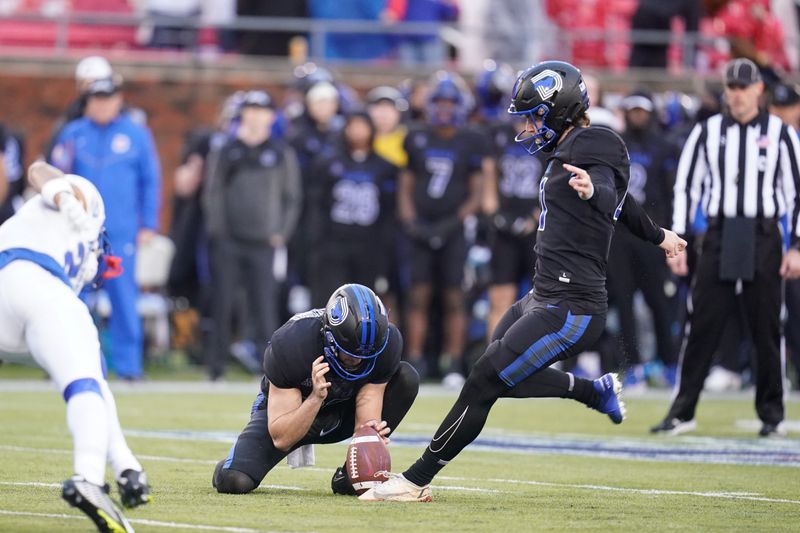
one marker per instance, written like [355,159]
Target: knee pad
[231,481]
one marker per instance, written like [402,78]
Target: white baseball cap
[93,68]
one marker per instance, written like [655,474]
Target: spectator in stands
[421,49]
[632,267]
[170,23]
[753,32]
[352,199]
[119,157]
[351,46]
[657,15]
[251,203]
[269,43]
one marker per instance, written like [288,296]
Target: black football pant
[637,265]
[713,301]
[531,336]
[254,454]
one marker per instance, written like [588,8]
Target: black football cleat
[95,502]
[674,426]
[772,431]
[340,483]
[133,488]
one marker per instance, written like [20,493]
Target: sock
[119,454]
[462,424]
[552,383]
[583,391]
[88,424]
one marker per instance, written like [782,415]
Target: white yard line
[140,521]
[656,492]
[30,484]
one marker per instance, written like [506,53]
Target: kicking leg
[556,333]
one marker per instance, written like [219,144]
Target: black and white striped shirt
[739,170]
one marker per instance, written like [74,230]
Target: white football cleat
[397,489]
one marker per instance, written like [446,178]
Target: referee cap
[742,72]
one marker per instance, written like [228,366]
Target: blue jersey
[120,159]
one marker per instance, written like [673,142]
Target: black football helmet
[356,324]
[551,94]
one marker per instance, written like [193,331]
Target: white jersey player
[49,250]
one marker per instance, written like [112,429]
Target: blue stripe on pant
[546,349]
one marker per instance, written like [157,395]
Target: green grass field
[480,491]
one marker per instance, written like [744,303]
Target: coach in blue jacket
[119,157]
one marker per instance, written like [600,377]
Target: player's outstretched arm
[289,416]
[636,219]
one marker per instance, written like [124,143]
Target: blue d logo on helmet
[547,83]
[337,313]
[551,95]
[356,325]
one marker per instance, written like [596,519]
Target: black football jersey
[353,199]
[442,168]
[295,346]
[575,235]
[518,173]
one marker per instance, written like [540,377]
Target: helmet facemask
[542,137]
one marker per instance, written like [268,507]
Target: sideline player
[49,250]
[302,402]
[582,193]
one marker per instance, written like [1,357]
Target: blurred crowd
[418,191]
[694,34]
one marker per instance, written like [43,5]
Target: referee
[742,166]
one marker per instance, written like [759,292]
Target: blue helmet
[446,86]
[356,324]
[551,94]
[493,87]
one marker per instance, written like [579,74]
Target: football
[368,460]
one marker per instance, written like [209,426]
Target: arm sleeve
[636,219]
[688,181]
[604,198]
[149,183]
[790,181]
